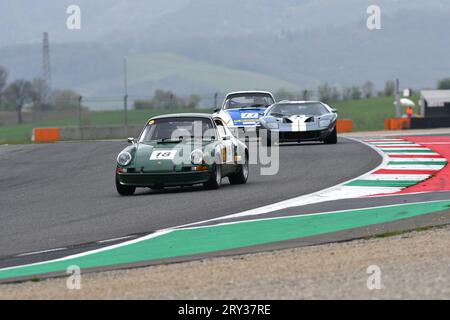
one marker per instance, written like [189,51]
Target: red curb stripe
[405,171]
[401,147]
[441,180]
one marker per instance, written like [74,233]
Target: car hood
[161,157]
[245,114]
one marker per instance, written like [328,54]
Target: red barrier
[42,135]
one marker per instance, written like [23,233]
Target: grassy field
[22,133]
[367,115]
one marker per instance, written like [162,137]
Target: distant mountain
[201,46]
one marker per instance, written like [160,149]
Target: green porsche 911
[182,150]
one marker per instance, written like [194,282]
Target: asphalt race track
[63,195]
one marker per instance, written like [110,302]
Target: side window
[220,128]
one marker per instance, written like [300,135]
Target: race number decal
[163,155]
[252,115]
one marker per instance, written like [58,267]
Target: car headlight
[124,158]
[272,125]
[196,157]
[324,123]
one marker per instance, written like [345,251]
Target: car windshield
[176,129]
[248,101]
[291,109]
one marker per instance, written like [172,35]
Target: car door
[227,146]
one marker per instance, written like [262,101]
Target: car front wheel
[124,190]
[215,180]
[332,138]
[241,175]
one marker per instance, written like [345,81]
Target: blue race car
[242,110]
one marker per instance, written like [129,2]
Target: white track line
[79,255]
[167,231]
[417,160]
[401,177]
[396,153]
[335,192]
[39,252]
[414,167]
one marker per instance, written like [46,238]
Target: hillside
[234,44]
[170,71]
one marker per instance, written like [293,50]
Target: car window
[248,101]
[289,109]
[178,128]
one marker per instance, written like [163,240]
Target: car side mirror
[216,110]
[334,110]
[131,140]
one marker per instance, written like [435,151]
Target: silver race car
[297,121]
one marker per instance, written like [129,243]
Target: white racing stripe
[400,177]
[403,149]
[413,167]
[417,160]
[383,140]
[411,153]
[412,145]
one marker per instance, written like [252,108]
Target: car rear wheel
[215,181]
[124,190]
[241,176]
[332,138]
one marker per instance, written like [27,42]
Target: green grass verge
[13,134]
[367,115]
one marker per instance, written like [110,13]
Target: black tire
[215,181]
[124,190]
[241,175]
[332,137]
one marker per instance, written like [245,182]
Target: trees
[356,93]
[193,101]
[324,92]
[346,94]
[19,92]
[368,89]
[65,99]
[39,94]
[283,94]
[327,93]
[389,88]
[3,79]
[167,100]
[444,84]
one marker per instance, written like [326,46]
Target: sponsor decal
[163,155]
[249,115]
